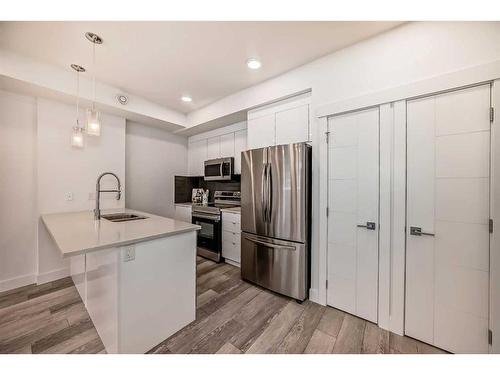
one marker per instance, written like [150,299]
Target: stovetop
[223,199]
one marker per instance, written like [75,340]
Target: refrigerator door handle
[269,244]
[269,193]
[263,198]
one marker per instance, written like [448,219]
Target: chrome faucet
[98,191]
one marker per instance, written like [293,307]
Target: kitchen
[340,200]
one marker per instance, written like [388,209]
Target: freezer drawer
[274,264]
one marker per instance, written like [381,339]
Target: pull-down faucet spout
[98,191]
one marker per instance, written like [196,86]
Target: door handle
[263,200]
[270,245]
[369,225]
[417,231]
[269,181]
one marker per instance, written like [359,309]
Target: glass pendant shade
[77,137]
[93,122]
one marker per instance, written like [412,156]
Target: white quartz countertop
[78,233]
[234,210]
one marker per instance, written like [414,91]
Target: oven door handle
[208,217]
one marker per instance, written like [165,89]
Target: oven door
[209,237]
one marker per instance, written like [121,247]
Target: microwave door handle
[221,169]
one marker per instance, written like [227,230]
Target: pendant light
[77,132]
[93,115]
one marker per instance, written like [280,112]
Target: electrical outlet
[129,253]
[69,196]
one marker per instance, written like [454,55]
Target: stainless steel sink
[122,216]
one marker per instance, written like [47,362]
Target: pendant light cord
[77,98]
[93,75]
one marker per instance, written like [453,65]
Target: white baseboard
[232,262]
[46,277]
[314,295]
[17,282]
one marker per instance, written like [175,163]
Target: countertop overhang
[77,233]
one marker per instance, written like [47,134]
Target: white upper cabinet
[240,144]
[292,125]
[196,157]
[228,141]
[280,123]
[227,145]
[213,147]
[261,131]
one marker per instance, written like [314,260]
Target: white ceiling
[161,61]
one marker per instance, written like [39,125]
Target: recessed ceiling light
[186,98]
[254,63]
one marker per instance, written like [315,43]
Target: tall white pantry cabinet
[410,197]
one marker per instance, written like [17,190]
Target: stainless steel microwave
[219,169]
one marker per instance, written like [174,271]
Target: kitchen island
[136,278]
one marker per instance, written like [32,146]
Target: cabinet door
[292,125]
[213,148]
[226,145]
[197,154]
[261,132]
[240,144]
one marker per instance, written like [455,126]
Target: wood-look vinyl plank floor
[232,317]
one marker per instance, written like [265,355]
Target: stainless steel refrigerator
[275,218]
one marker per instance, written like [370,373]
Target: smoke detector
[122,99]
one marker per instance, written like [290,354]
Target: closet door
[353,193]
[447,254]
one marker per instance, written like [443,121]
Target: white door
[447,265]
[261,131]
[353,200]
[292,125]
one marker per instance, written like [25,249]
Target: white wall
[153,157]
[63,169]
[406,54]
[17,190]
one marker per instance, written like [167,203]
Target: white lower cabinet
[231,237]
[122,293]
